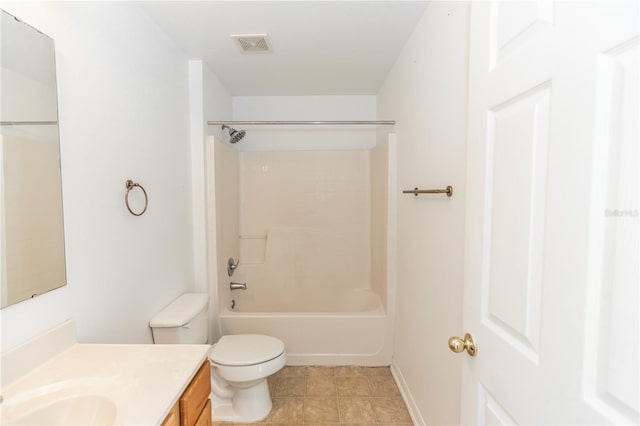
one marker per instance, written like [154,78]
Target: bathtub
[318,326]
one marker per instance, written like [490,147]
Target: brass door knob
[458,345]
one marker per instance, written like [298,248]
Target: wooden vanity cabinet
[193,401]
[194,406]
[205,415]
[173,418]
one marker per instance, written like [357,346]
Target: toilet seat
[243,350]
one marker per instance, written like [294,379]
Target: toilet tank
[184,321]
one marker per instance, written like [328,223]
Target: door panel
[614,230]
[551,279]
[491,412]
[514,23]
[517,134]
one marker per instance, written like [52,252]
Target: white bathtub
[318,326]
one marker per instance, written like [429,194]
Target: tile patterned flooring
[334,396]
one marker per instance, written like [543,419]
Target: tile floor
[334,396]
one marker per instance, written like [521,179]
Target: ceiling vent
[252,43]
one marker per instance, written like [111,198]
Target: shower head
[234,135]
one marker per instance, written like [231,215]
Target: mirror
[32,258]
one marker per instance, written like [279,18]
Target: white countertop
[144,381]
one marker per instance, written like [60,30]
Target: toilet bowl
[240,364]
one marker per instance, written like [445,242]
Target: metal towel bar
[28,123]
[415,191]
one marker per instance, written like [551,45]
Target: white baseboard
[374,360]
[414,412]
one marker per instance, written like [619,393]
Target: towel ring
[130,185]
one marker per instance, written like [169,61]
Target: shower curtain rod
[295,123]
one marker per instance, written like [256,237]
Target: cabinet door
[173,418]
[206,417]
[196,395]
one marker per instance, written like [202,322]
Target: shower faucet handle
[237,286]
[231,266]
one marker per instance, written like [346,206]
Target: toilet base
[246,405]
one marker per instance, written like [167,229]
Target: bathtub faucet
[238,286]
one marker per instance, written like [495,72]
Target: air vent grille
[252,42]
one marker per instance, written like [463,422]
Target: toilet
[240,364]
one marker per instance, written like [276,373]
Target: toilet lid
[246,349]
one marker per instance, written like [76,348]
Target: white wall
[209,100]
[123,104]
[311,108]
[426,93]
[222,201]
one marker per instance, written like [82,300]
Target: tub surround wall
[305,219]
[123,104]
[379,179]
[224,181]
[426,93]
[305,206]
[306,251]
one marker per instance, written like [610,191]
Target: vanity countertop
[142,381]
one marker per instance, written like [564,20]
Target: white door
[551,279]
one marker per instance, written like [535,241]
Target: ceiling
[317,47]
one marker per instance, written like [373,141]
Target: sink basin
[73,410]
[52,380]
